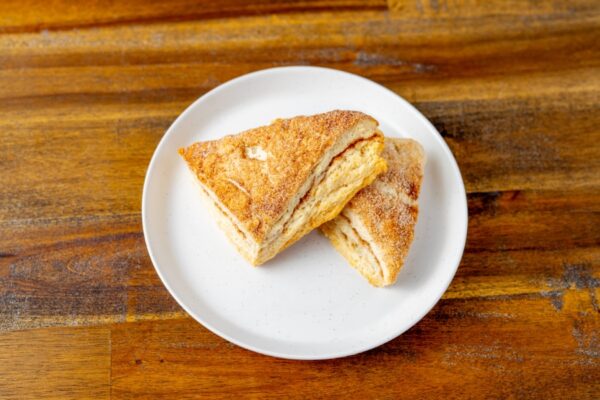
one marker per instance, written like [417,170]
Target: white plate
[307,303]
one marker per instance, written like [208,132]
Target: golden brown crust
[256,173]
[378,167]
[388,207]
[406,160]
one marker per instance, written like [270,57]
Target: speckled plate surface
[307,303]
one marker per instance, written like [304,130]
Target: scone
[269,186]
[375,229]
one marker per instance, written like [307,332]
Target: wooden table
[88,89]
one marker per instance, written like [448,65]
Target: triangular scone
[375,229]
[269,186]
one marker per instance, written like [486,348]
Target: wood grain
[475,8]
[61,363]
[88,89]
[61,15]
[431,360]
[91,271]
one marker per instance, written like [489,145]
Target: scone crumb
[256,153]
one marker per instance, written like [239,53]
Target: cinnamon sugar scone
[375,229]
[269,186]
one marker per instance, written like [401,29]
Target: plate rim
[326,356]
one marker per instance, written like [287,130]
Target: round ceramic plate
[306,303]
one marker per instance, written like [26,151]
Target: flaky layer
[244,244]
[375,230]
[355,248]
[348,173]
